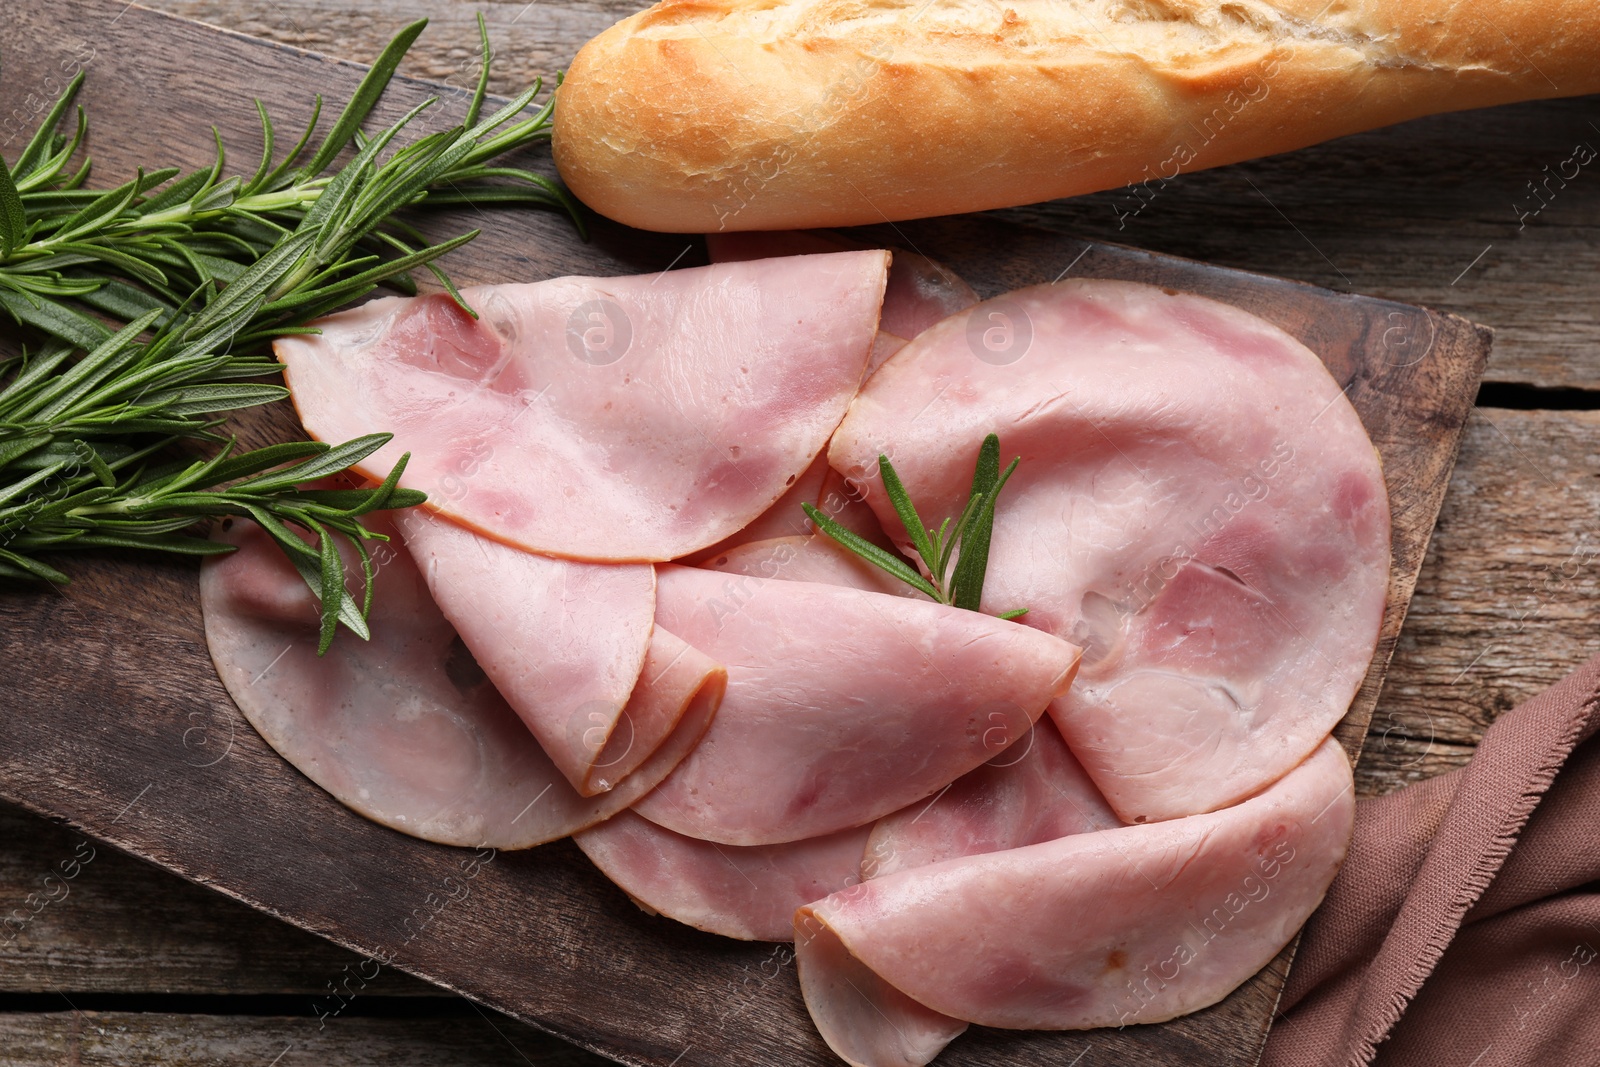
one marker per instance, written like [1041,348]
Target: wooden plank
[127,1039]
[117,722]
[1507,600]
[1400,213]
[81,917]
[530,39]
[1406,213]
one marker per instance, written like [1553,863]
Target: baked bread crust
[702,115]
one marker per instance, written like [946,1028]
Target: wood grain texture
[1400,213]
[118,723]
[122,1039]
[115,924]
[1507,600]
[530,40]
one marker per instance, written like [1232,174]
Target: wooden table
[137,967]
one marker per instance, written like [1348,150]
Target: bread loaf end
[707,115]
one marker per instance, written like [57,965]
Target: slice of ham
[786,518]
[1132,925]
[883,346]
[921,291]
[1035,792]
[864,1019]
[603,419]
[406,728]
[845,503]
[750,893]
[842,705]
[1197,505]
[562,641]
[814,558]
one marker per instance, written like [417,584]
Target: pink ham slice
[602,419]
[1016,799]
[845,502]
[786,518]
[1132,925]
[884,346]
[750,893]
[562,641]
[813,558]
[921,291]
[1197,504]
[842,705]
[1034,792]
[406,729]
[864,1019]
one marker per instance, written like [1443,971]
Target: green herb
[967,543]
[157,300]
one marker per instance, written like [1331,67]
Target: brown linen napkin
[1464,928]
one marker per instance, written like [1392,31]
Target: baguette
[705,115]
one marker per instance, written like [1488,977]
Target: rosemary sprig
[150,507]
[157,300]
[967,543]
[156,240]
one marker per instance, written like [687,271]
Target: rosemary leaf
[57,320]
[157,298]
[907,511]
[14,565]
[486,54]
[949,546]
[146,539]
[202,399]
[41,144]
[871,552]
[332,583]
[967,542]
[966,587]
[330,461]
[264,459]
[366,95]
[13,219]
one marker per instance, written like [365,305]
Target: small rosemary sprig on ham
[152,305]
[967,543]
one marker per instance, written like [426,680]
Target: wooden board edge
[109,836]
[1479,339]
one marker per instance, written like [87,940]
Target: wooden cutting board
[112,718]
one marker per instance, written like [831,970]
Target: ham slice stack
[1197,505]
[407,729]
[612,620]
